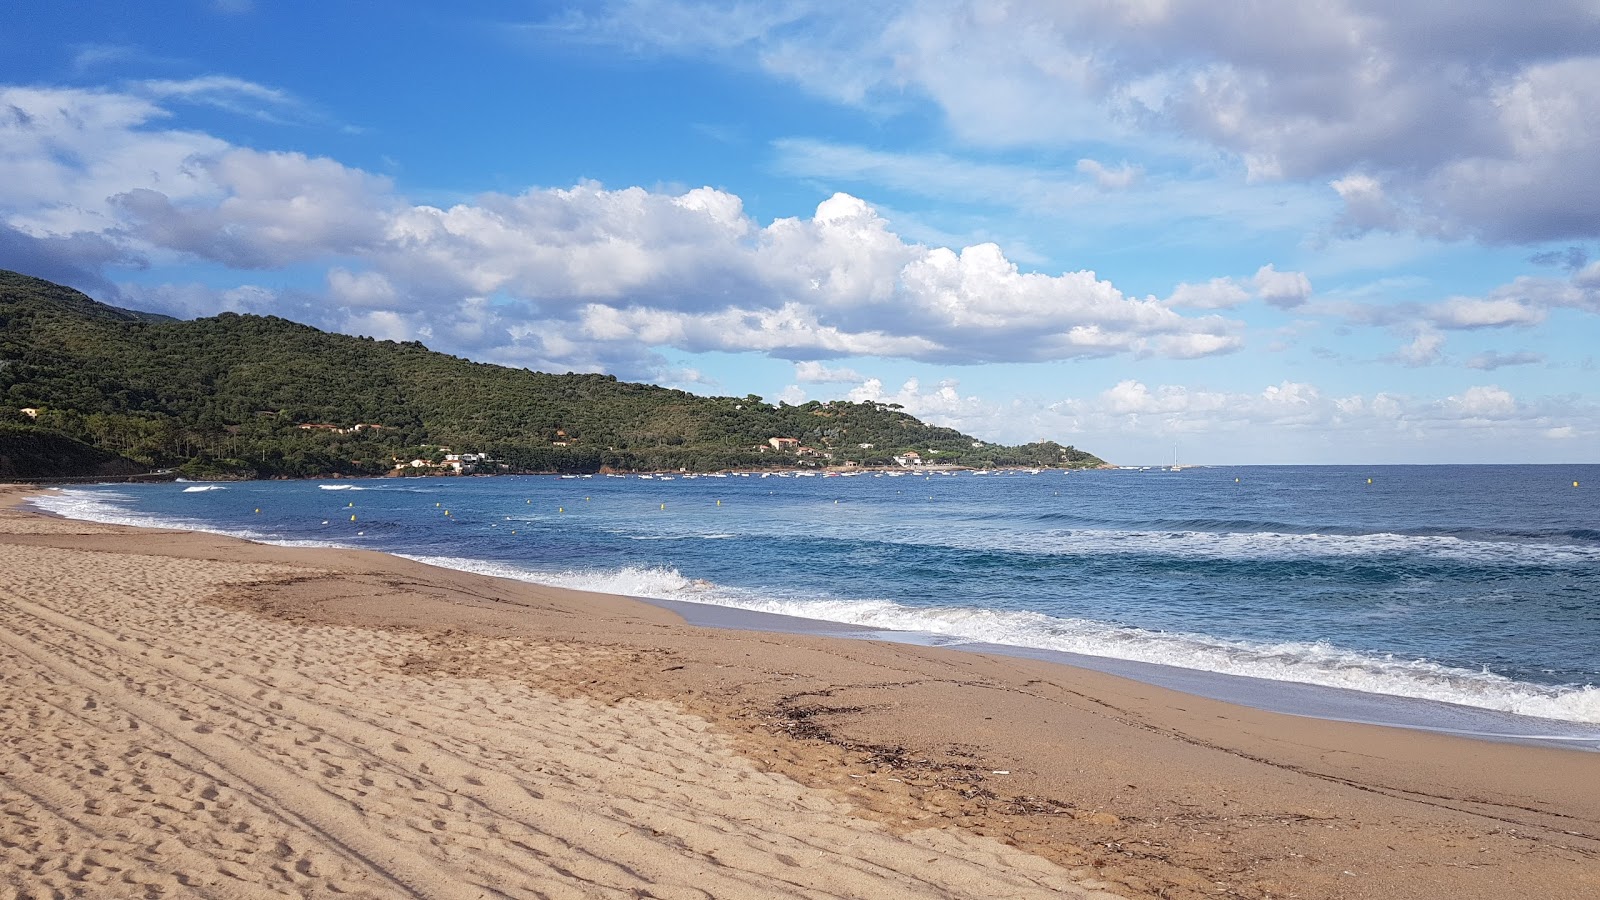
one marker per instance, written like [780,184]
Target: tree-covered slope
[27,451]
[232,394]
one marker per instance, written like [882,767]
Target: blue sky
[1360,232]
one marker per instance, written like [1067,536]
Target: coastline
[1065,774]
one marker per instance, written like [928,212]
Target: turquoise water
[1473,585]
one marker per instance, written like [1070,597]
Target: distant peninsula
[93,390]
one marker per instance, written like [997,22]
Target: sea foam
[1314,663]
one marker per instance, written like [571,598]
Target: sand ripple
[152,745]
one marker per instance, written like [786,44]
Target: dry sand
[190,715]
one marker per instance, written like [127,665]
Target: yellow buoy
[352,517]
[719,502]
[351,503]
[1236,481]
[1369,481]
[258,509]
[561,509]
[436,504]
[663,506]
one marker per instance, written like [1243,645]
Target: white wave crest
[1315,663]
[1251,545]
[341,487]
[203,487]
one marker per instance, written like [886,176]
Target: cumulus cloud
[1475,312]
[812,372]
[1478,121]
[586,270]
[263,210]
[1425,349]
[1282,289]
[1482,402]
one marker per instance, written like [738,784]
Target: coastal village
[443,460]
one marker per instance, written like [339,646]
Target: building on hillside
[909,458]
[784,443]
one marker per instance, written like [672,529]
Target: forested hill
[262,396]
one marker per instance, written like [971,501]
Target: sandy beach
[191,715]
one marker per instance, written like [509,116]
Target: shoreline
[1120,785]
[1281,692]
[1292,698]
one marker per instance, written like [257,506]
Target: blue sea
[1465,598]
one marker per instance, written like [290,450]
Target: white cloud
[224,92]
[1482,402]
[1205,201]
[1481,120]
[1424,350]
[1287,421]
[812,372]
[1282,289]
[1109,179]
[64,151]
[1472,312]
[592,268]
[1490,360]
[264,210]
[1218,293]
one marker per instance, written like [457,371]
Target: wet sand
[191,715]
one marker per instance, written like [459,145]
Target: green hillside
[231,394]
[27,451]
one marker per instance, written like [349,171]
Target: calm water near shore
[1477,586]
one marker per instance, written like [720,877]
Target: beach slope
[190,715]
